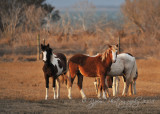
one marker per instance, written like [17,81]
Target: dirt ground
[22,90]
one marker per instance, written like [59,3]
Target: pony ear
[42,46]
[117,45]
[109,46]
[48,45]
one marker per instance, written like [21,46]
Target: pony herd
[107,64]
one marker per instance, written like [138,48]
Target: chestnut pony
[92,66]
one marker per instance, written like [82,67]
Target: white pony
[125,66]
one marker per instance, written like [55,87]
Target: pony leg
[117,85]
[69,85]
[106,84]
[129,80]
[114,86]
[134,88]
[58,87]
[96,85]
[47,86]
[54,88]
[130,89]
[99,91]
[102,80]
[80,81]
[46,97]
[124,88]
[73,68]
[124,84]
[99,88]
[127,86]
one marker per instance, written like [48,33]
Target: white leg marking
[99,94]
[95,84]
[69,93]
[82,94]
[58,88]
[114,86]
[104,94]
[117,85]
[124,88]
[54,92]
[46,97]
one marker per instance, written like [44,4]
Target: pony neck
[108,61]
[49,59]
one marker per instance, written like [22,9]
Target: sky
[68,3]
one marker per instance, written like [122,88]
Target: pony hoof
[55,98]
[99,97]
[84,98]
[104,98]
[134,93]
[69,97]
[46,98]
[125,95]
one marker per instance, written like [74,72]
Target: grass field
[22,83]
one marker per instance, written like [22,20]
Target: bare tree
[145,14]
[86,12]
[33,18]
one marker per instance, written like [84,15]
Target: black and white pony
[125,66]
[55,64]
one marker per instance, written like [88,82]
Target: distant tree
[37,3]
[15,13]
[145,14]
[86,11]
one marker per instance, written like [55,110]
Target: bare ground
[22,90]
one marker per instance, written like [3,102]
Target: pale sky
[68,3]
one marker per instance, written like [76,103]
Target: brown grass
[24,80]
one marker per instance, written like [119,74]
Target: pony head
[111,52]
[46,52]
[114,49]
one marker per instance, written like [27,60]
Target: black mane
[129,54]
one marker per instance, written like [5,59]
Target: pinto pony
[55,64]
[95,66]
[125,66]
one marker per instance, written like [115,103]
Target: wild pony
[125,66]
[55,64]
[95,66]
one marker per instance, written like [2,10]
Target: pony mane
[104,55]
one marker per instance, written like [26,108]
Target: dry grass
[24,80]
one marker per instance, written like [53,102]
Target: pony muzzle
[114,60]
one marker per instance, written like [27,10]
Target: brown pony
[95,66]
[55,64]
